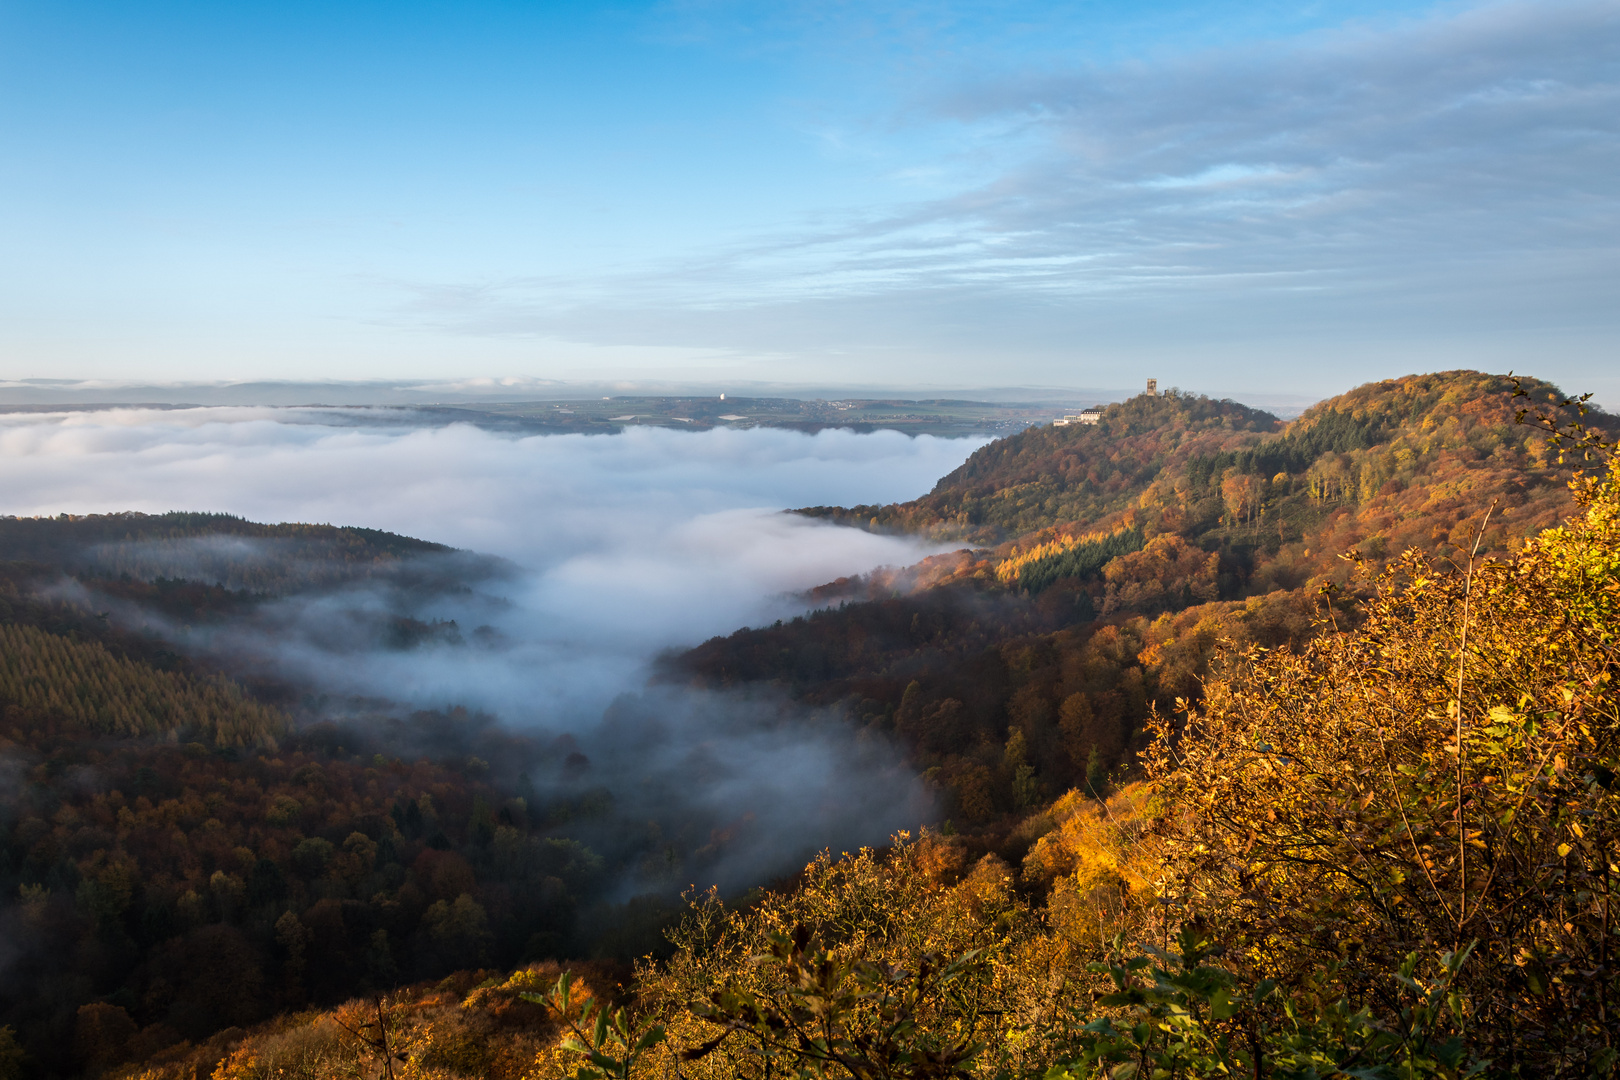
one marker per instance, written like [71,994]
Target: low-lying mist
[606,550]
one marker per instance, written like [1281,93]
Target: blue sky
[1233,197]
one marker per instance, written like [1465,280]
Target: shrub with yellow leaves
[1440,778]
[1094,864]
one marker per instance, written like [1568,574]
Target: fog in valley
[582,558]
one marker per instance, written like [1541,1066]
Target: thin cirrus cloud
[1435,189]
[1340,144]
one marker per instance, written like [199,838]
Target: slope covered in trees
[49,675]
[1034,665]
[1378,839]
[1044,475]
[68,538]
[1389,465]
[187,846]
[186,855]
[192,888]
[1387,854]
[222,550]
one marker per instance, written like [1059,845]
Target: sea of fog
[624,546]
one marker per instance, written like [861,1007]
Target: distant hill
[1451,434]
[1047,474]
[211,548]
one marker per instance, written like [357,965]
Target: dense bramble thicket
[1442,778]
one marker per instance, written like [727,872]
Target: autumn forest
[1249,748]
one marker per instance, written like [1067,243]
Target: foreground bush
[1442,779]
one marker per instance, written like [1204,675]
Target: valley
[215,859]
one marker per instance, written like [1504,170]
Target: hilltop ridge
[1175,451]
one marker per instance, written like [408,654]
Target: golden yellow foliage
[895,908]
[1094,863]
[451,1030]
[1008,569]
[1441,776]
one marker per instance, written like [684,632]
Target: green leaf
[1127,997]
[564,981]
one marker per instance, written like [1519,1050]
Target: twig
[1417,854]
[1462,659]
[382,1037]
[378,1045]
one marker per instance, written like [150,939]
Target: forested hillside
[221,550]
[105,694]
[1049,474]
[193,838]
[1387,854]
[1130,548]
[1396,463]
[1323,712]
[181,852]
